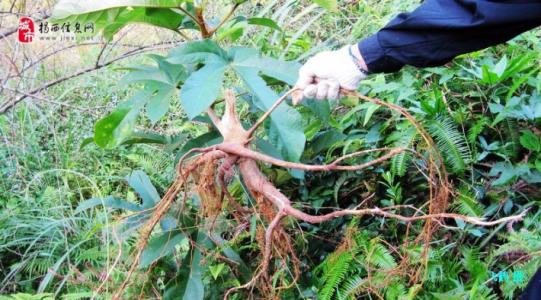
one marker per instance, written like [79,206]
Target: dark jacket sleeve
[533,290]
[439,30]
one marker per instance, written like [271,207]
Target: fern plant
[405,138]
[333,272]
[466,202]
[343,274]
[451,142]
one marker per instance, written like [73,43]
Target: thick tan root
[235,151]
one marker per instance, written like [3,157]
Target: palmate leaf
[286,131]
[159,85]
[202,87]
[286,125]
[109,16]
[205,51]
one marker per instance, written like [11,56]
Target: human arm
[433,34]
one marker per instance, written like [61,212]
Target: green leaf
[233,30]
[145,74]
[118,126]
[189,283]
[146,138]
[175,73]
[286,130]
[216,270]
[66,8]
[325,140]
[165,18]
[160,246]
[197,52]
[468,204]
[111,15]
[141,183]
[371,109]
[202,88]
[488,76]
[86,142]
[264,22]
[331,5]
[507,172]
[159,99]
[160,84]
[286,71]
[500,67]
[204,140]
[530,141]
[109,202]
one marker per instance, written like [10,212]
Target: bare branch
[92,110]
[97,64]
[9,104]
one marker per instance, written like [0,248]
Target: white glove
[323,75]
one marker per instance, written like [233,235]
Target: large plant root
[214,166]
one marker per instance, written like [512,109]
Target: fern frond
[467,203]
[38,266]
[93,255]
[395,291]
[511,129]
[399,163]
[335,272]
[473,264]
[351,287]
[451,142]
[150,163]
[476,129]
[380,256]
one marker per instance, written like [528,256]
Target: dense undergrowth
[70,209]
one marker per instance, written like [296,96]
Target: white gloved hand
[323,75]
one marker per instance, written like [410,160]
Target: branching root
[214,166]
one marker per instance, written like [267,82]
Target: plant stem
[268,112]
[225,19]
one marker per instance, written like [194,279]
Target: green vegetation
[80,181]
